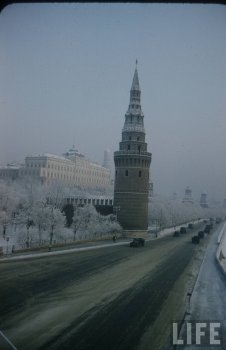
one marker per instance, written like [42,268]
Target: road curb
[60,252]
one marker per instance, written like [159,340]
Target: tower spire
[135,84]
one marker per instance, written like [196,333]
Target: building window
[128,147]
[116,173]
[138,139]
[139,173]
[129,137]
[139,149]
[126,173]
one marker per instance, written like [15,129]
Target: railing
[133,128]
[131,152]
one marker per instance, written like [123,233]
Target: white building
[9,172]
[72,169]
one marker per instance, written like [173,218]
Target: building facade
[132,163]
[72,169]
[9,172]
[203,200]
[187,196]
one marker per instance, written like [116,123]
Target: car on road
[137,242]
[207,229]
[195,239]
[201,234]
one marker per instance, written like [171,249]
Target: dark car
[195,239]
[176,234]
[137,242]
[207,229]
[183,230]
[201,234]
[190,226]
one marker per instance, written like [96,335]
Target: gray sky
[66,71]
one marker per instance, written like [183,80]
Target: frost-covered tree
[55,194]
[88,223]
[56,222]
[8,203]
[40,217]
[170,212]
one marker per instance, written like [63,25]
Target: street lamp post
[7,246]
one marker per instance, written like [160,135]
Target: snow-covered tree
[88,223]
[8,203]
[56,221]
[170,212]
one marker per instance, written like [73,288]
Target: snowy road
[208,301]
[112,298]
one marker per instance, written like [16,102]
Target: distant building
[9,172]
[224,203]
[71,169]
[203,200]
[187,196]
[151,189]
[174,196]
[132,163]
[107,159]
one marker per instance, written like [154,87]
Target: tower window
[138,139]
[129,137]
[140,173]
[139,149]
[128,147]
[126,173]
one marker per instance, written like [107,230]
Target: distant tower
[188,195]
[132,163]
[107,159]
[203,200]
[151,189]
[174,195]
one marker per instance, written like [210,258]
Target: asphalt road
[100,299]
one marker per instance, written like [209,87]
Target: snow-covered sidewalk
[221,251]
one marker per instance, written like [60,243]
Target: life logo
[202,333]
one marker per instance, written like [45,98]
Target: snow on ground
[222,248]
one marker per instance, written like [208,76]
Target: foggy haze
[66,71]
